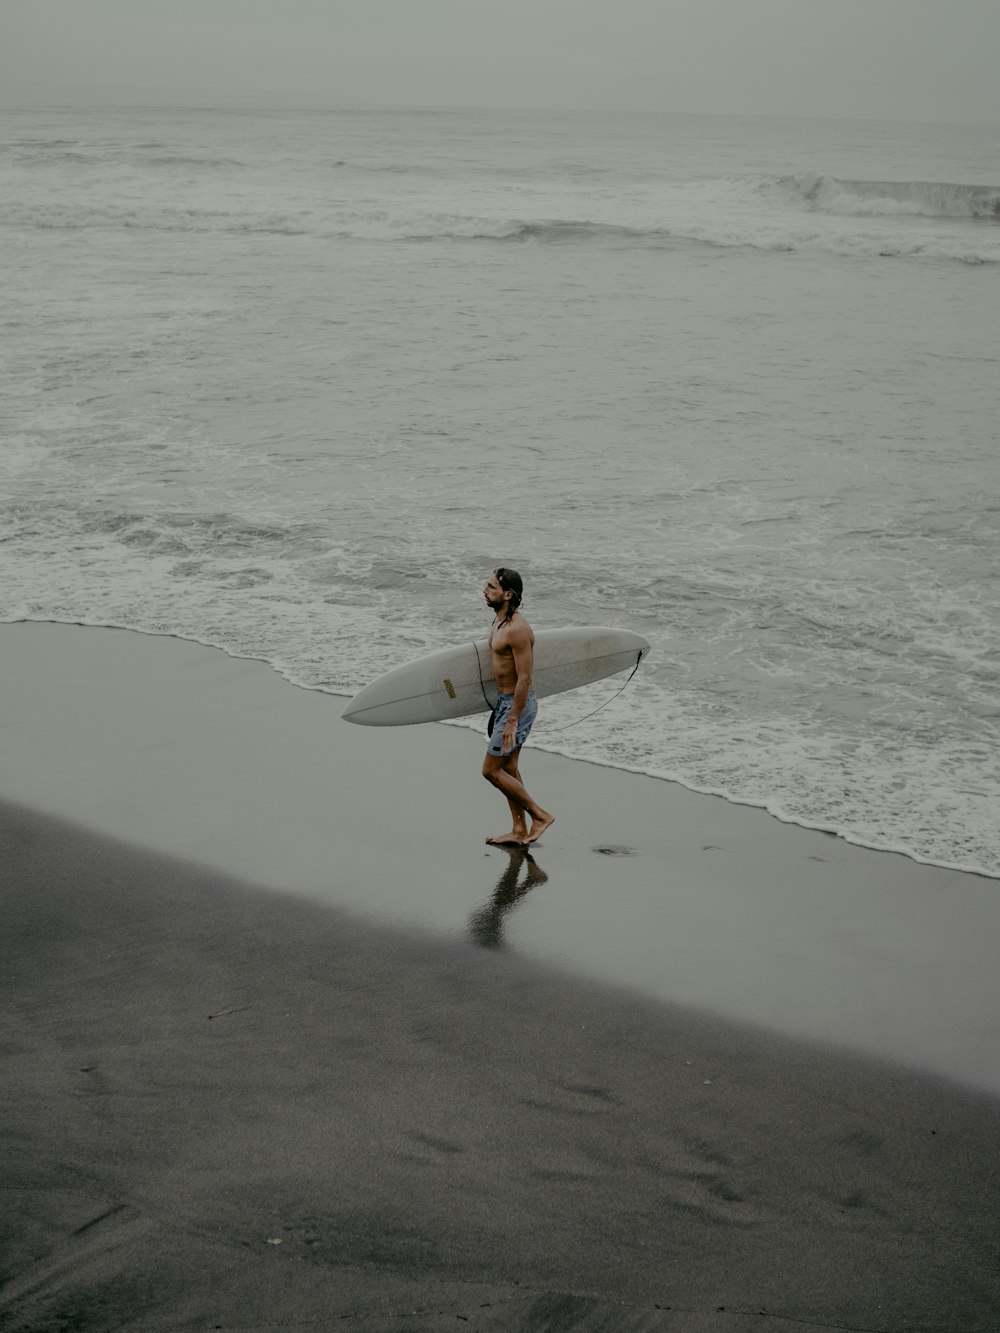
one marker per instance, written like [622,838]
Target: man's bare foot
[516,838]
[539,825]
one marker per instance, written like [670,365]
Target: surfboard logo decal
[450,688]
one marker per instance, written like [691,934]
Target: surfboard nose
[355,711]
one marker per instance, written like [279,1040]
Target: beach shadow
[486,924]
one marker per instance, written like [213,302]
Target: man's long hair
[510,581]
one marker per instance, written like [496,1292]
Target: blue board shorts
[524,722]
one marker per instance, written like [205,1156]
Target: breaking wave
[927,199]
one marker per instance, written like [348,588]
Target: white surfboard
[455,682]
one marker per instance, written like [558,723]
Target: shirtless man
[511,644]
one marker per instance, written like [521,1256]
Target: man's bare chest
[500,642]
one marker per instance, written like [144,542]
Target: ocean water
[291,384]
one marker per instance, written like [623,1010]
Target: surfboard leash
[482,683]
[556,730]
[566,727]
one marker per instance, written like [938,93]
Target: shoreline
[278,1053]
[541,746]
[188,752]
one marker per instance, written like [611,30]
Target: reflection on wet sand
[486,925]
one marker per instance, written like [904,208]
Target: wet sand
[287,1046]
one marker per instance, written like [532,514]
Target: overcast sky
[900,59]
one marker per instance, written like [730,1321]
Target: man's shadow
[486,925]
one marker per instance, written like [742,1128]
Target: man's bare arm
[521,647]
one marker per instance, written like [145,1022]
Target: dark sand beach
[287,1047]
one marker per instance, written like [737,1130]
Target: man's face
[494,594]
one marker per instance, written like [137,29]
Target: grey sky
[901,59]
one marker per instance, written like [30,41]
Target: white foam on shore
[610,743]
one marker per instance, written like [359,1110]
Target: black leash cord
[556,730]
[482,683]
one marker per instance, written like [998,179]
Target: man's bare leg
[518,835]
[495,771]
[539,823]
[538,827]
